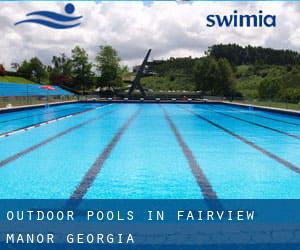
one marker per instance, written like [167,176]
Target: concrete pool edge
[263,108]
[236,104]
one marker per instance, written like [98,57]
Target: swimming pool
[173,151]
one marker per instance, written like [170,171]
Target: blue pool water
[149,151]
[17,120]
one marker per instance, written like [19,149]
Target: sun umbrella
[47,87]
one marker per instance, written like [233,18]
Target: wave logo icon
[54,20]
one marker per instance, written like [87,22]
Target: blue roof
[17,89]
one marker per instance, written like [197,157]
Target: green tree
[33,70]
[238,55]
[38,70]
[25,69]
[83,76]
[213,76]
[108,65]
[270,88]
[205,74]
[61,71]
[224,83]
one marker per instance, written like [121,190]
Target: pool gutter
[263,108]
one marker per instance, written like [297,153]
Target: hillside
[281,83]
[15,79]
[258,73]
[172,74]
[165,83]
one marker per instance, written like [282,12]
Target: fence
[11,97]
[287,104]
[14,94]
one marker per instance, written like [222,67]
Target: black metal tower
[136,82]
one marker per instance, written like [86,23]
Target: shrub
[290,95]
[269,88]
[172,78]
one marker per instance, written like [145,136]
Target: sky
[171,29]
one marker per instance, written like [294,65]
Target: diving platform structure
[136,84]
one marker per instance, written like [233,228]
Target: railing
[287,104]
[188,96]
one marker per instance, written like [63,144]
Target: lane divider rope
[50,139]
[17,131]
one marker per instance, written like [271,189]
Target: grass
[15,79]
[165,83]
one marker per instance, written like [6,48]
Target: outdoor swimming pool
[94,151]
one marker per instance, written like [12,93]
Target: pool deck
[263,108]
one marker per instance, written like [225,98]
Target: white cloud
[170,29]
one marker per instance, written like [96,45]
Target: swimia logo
[239,20]
[54,20]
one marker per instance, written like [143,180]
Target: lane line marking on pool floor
[256,124]
[94,170]
[273,119]
[24,129]
[50,139]
[201,179]
[280,160]
[266,117]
